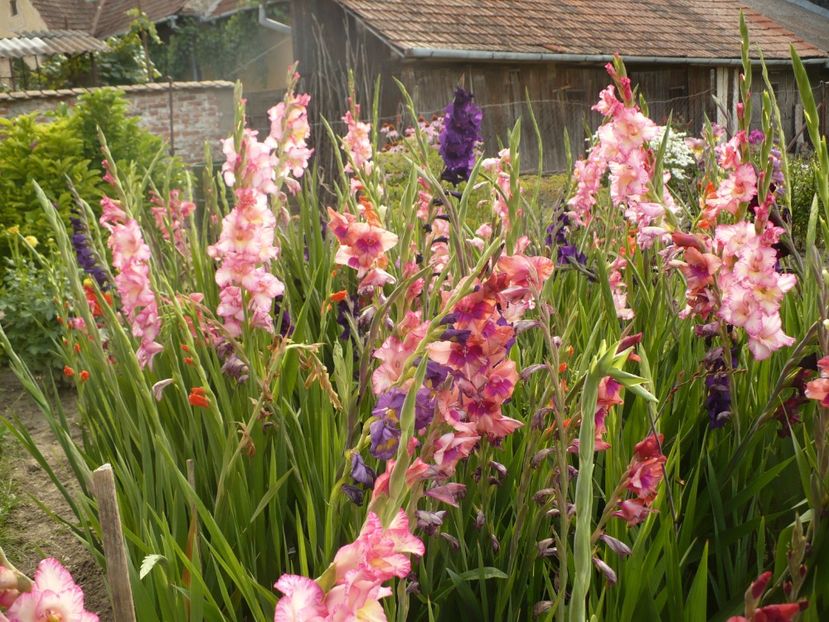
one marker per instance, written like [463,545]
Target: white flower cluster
[678,157]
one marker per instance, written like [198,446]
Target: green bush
[65,148]
[50,153]
[803,180]
[28,312]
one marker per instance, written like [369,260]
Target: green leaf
[148,563]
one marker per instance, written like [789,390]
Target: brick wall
[202,111]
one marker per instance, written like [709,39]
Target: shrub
[64,149]
[803,181]
[27,308]
[52,154]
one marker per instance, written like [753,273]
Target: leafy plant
[29,312]
[52,154]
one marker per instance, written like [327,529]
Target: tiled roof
[706,29]
[49,42]
[104,18]
[66,14]
[113,17]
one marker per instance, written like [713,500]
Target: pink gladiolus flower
[171,217]
[379,553]
[642,478]
[53,597]
[246,249]
[396,350]
[618,289]
[130,257]
[367,245]
[289,134]
[739,187]
[634,511]
[501,168]
[818,389]
[357,143]
[303,600]
[448,493]
[8,587]
[752,289]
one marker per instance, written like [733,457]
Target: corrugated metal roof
[50,42]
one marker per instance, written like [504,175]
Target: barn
[549,54]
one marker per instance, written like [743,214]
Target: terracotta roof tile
[663,28]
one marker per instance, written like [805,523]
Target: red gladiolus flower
[197,397]
[68,371]
[84,375]
[188,360]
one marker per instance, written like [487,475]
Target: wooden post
[115,551]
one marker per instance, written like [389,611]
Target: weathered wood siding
[329,42]
[561,97]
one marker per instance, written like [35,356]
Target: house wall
[27,18]
[202,111]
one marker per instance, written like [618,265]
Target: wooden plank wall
[561,97]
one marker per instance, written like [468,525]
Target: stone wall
[201,111]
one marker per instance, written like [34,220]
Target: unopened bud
[500,469]
[606,570]
[545,548]
[617,546]
[452,540]
[542,607]
[480,520]
[757,588]
[542,496]
[539,457]
[496,546]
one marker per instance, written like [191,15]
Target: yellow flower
[13,230]
[31,241]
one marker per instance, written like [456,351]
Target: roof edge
[453,54]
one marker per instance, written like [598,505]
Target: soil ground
[27,533]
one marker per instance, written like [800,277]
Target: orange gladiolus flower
[197,397]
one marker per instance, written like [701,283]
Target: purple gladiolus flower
[361,472]
[354,493]
[718,388]
[756,137]
[424,408]
[87,258]
[461,131]
[385,432]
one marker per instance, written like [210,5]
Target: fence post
[103,487]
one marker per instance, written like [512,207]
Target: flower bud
[545,548]
[480,520]
[496,546]
[500,469]
[542,607]
[617,546]
[540,456]
[542,496]
[428,522]
[452,540]
[606,570]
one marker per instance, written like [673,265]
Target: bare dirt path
[28,534]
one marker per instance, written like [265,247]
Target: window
[13,7]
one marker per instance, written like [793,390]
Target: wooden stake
[115,551]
